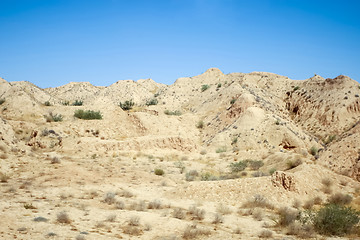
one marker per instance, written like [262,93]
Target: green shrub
[329,139]
[65,103]
[127,105]
[88,114]
[77,103]
[335,220]
[2,100]
[153,101]
[296,88]
[293,164]
[200,124]
[313,151]
[47,103]
[238,166]
[175,113]
[159,172]
[219,85]
[232,101]
[53,118]
[191,175]
[221,149]
[204,87]
[272,170]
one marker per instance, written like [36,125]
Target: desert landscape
[214,156]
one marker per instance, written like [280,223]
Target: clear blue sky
[53,42]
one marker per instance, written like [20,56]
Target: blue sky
[53,42]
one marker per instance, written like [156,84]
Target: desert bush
[65,103]
[223,209]
[204,87]
[208,177]
[4,177]
[109,198]
[218,85]
[120,205]
[111,218]
[203,152]
[134,221]
[237,230]
[55,160]
[138,206]
[29,206]
[87,115]
[309,204]
[125,193]
[191,175]
[196,213]
[238,166]
[156,204]
[53,117]
[2,100]
[221,149]
[200,124]
[340,199]
[152,101]
[258,174]
[63,217]
[272,170]
[329,139]
[77,103]
[47,103]
[327,182]
[293,164]
[302,231]
[255,164]
[296,88]
[258,201]
[232,101]
[335,220]
[218,218]
[257,214]
[192,232]
[159,172]
[296,204]
[40,219]
[127,105]
[287,216]
[178,213]
[265,234]
[313,151]
[175,113]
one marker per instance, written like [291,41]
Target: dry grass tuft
[223,209]
[63,217]
[156,204]
[196,213]
[340,199]
[258,201]
[265,234]
[218,218]
[192,232]
[287,216]
[109,198]
[178,213]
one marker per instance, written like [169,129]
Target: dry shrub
[134,221]
[4,177]
[265,234]
[302,231]
[55,160]
[109,198]
[258,201]
[111,218]
[196,213]
[317,200]
[126,194]
[178,213]
[218,218]
[257,214]
[156,204]
[309,204]
[327,182]
[192,232]
[120,205]
[63,217]
[296,204]
[287,216]
[340,198]
[327,190]
[237,230]
[132,230]
[223,209]
[138,206]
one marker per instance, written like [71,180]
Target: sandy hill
[214,156]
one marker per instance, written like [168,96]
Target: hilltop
[206,145]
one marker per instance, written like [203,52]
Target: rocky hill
[212,142]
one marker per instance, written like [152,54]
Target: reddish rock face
[283,180]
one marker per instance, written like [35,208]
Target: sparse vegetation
[293,163]
[191,175]
[55,160]
[4,177]
[255,165]
[335,220]
[47,103]
[232,101]
[265,234]
[87,115]
[77,103]
[65,103]
[340,199]
[2,100]
[238,166]
[53,117]
[200,124]
[178,213]
[109,198]
[287,216]
[204,87]
[196,213]
[127,105]
[29,206]
[63,217]
[221,149]
[218,218]
[174,113]
[159,172]
[313,151]
[192,232]
[152,101]
[296,88]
